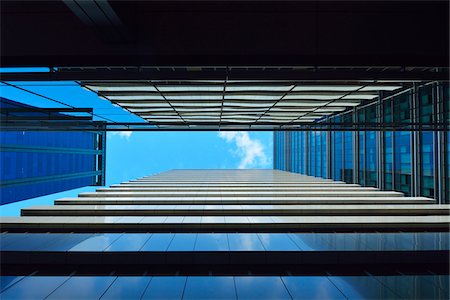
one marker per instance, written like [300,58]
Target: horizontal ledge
[241,200]
[226,258]
[276,195]
[225,224]
[275,210]
[281,190]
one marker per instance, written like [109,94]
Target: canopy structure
[254,104]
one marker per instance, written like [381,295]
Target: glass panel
[427,165]
[183,242]
[413,287]
[211,242]
[158,242]
[7,281]
[33,287]
[82,287]
[245,242]
[312,242]
[370,165]
[324,154]
[127,287]
[362,287]
[311,287]
[348,151]
[312,153]
[211,287]
[267,287]
[426,111]
[165,288]
[26,242]
[277,242]
[402,142]
[129,242]
[97,242]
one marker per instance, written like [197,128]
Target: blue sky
[135,154]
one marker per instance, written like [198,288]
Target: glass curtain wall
[402,140]
[427,138]
[348,151]
[337,148]
[415,163]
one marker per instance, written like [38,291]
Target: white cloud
[123,134]
[251,151]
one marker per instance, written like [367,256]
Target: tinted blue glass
[211,287]
[324,155]
[427,163]
[312,154]
[183,242]
[311,287]
[97,242]
[348,152]
[245,242]
[33,287]
[402,170]
[371,159]
[361,160]
[165,288]
[129,242]
[318,154]
[24,242]
[37,155]
[413,287]
[158,242]
[337,155]
[211,242]
[67,241]
[277,242]
[440,281]
[82,287]
[254,287]
[127,287]
[362,287]
[7,281]
[402,142]
[312,242]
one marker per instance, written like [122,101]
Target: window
[402,142]
[348,151]
[427,142]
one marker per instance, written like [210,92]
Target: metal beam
[220,73]
[34,125]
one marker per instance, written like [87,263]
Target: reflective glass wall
[414,162]
[38,163]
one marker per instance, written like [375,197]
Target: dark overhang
[224,33]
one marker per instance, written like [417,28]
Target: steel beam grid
[266,73]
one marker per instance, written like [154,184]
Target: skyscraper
[230,234]
[37,163]
[414,162]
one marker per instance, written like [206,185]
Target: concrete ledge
[225,223]
[225,258]
[236,210]
[238,200]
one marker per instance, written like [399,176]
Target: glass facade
[414,162]
[225,287]
[41,163]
